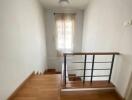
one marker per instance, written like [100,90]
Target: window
[64,32]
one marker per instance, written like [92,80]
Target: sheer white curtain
[65,27]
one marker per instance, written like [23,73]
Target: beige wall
[53,60]
[129,89]
[22,43]
[104,30]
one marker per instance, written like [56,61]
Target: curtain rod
[65,13]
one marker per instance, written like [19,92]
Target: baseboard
[120,97]
[20,86]
[89,89]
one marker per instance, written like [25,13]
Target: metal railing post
[112,63]
[84,74]
[65,70]
[92,69]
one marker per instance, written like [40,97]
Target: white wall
[104,31]
[22,43]
[53,60]
[129,89]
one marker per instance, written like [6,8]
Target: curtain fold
[65,28]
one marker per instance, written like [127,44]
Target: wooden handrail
[93,53]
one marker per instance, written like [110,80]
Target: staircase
[48,87]
[88,78]
[51,71]
[87,85]
[73,77]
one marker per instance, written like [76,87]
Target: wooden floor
[90,96]
[47,87]
[40,87]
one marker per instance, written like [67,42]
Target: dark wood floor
[47,87]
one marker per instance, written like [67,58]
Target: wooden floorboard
[47,87]
[40,87]
[95,84]
[90,96]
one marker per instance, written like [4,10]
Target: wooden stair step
[95,84]
[78,78]
[51,71]
[74,78]
[71,75]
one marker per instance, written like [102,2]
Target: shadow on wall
[129,89]
[124,73]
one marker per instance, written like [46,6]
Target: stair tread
[51,71]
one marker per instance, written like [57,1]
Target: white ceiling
[74,4]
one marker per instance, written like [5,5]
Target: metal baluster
[92,69]
[84,74]
[65,70]
[112,63]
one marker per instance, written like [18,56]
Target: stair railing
[64,71]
